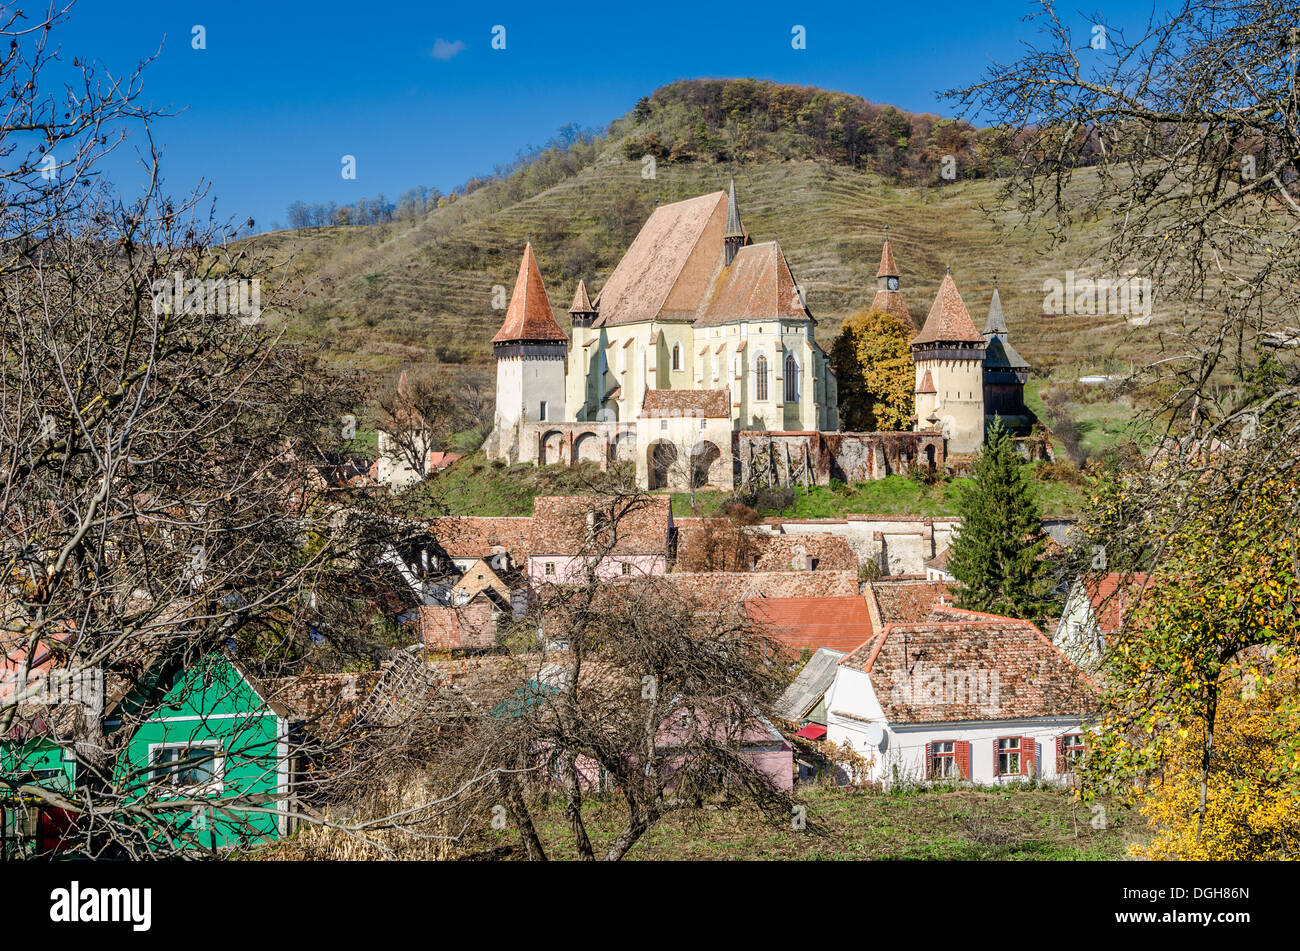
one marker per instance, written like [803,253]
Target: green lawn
[895,495]
[979,824]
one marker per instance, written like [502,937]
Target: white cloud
[444,50]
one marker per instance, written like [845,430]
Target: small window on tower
[541,413]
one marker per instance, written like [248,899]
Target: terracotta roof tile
[758,285]
[892,302]
[529,315]
[569,524]
[887,266]
[669,265]
[927,384]
[705,403]
[448,628]
[972,670]
[840,623]
[948,321]
[903,602]
[723,588]
[581,302]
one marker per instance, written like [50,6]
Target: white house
[1094,613]
[959,696]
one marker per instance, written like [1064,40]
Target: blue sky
[285,89]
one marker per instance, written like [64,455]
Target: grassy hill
[384,296]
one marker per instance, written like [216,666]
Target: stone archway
[587,448]
[661,457]
[622,447]
[703,455]
[551,450]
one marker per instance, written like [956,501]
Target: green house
[203,738]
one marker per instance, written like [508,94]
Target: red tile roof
[722,588]
[892,302]
[927,384]
[1112,595]
[529,315]
[564,524]
[887,266]
[948,321]
[841,623]
[707,403]
[937,672]
[448,628]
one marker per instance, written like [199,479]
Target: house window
[791,379]
[684,721]
[677,356]
[550,568]
[627,569]
[1069,752]
[663,424]
[541,413]
[1009,753]
[760,378]
[193,768]
[703,423]
[943,760]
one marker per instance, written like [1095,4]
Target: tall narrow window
[541,413]
[677,356]
[791,379]
[760,378]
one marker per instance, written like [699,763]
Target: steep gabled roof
[529,315]
[927,384]
[757,285]
[669,266]
[948,321]
[811,684]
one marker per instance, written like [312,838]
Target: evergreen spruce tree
[998,555]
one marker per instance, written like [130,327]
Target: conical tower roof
[734,228]
[996,324]
[948,321]
[581,302]
[529,315]
[887,266]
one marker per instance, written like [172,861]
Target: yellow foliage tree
[1252,806]
[873,368]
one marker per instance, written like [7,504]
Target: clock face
[892,283]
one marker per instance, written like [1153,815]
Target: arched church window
[791,379]
[760,378]
[677,356]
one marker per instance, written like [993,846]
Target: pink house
[625,537]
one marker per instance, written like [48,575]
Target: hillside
[383,296]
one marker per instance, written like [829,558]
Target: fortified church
[698,360]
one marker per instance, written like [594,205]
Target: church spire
[888,297]
[996,324]
[529,317]
[581,310]
[734,239]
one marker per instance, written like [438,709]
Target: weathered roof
[999,354]
[903,602]
[721,588]
[473,536]
[948,320]
[529,315]
[827,552]
[757,285]
[581,302]
[927,384]
[453,628]
[892,302]
[936,672]
[708,403]
[839,623]
[940,560]
[670,264]
[571,524]
[811,684]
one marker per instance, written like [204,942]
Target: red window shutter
[963,759]
[1028,749]
[928,768]
[1060,756]
[996,771]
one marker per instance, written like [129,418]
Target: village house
[960,696]
[1095,611]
